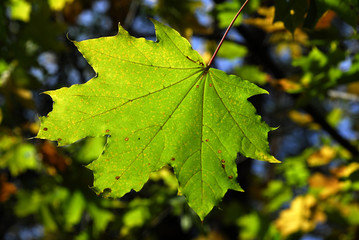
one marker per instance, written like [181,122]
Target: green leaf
[295,169]
[138,214]
[250,225]
[90,150]
[277,194]
[101,218]
[159,104]
[226,11]
[16,155]
[322,71]
[74,209]
[253,73]
[232,50]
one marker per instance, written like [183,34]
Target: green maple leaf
[159,104]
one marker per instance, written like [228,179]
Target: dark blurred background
[304,52]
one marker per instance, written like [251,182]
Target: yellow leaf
[322,156]
[345,171]
[58,5]
[266,23]
[289,85]
[20,10]
[303,215]
[327,186]
[303,119]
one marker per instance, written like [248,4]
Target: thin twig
[225,34]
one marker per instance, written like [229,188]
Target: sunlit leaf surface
[159,104]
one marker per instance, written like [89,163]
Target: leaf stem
[225,34]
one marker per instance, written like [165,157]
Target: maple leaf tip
[121,30]
[274,128]
[46,92]
[274,160]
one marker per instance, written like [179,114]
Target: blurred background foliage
[304,52]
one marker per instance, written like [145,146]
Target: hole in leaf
[106,192]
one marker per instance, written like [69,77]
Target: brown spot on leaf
[223,161]
[126,139]
[207,140]
[210,85]
[107,130]
[197,86]
[219,151]
[45,129]
[59,139]
[223,166]
[173,159]
[230,177]
[117,177]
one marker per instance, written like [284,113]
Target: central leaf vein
[142,64]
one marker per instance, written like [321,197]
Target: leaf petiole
[225,34]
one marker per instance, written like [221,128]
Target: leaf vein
[230,114]
[142,64]
[140,97]
[165,122]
